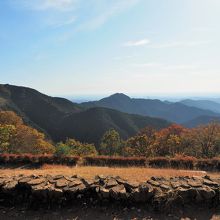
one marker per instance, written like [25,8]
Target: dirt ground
[131,173]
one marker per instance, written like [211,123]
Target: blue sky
[90,47]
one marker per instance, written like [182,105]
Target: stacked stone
[157,191]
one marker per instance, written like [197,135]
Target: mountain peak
[119,96]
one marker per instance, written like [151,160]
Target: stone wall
[37,190]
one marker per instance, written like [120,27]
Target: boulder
[194,183]
[25,180]
[206,192]
[210,183]
[153,183]
[103,193]
[36,181]
[110,183]
[9,186]
[74,182]
[118,192]
[61,183]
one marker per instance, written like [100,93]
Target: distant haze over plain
[172,98]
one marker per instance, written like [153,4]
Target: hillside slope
[61,118]
[176,112]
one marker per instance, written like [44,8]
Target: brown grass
[133,174]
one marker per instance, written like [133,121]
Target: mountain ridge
[176,112]
[60,118]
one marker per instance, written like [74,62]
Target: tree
[10,118]
[15,137]
[138,145]
[73,147]
[168,141]
[111,143]
[62,150]
[29,140]
[141,144]
[6,134]
[207,139]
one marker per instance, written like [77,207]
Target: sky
[97,47]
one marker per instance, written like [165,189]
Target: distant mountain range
[177,112]
[203,104]
[202,120]
[60,118]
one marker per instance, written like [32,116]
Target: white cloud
[141,42]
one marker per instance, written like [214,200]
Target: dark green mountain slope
[176,112]
[92,122]
[37,109]
[61,118]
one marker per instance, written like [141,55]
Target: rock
[164,187]
[74,182]
[90,182]
[110,183]
[25,180]
[144,193]
[120,180]
[2,181]
[77,189]
[175,184]
[131,185]
[159,192]
[101,177]
[54,193]
[58,177]
[210,183]
[118,192]
[37,181]
[153,183]
[206,192]
[194,183]
[60,183]
[186,194]
[10,185]
[104,193]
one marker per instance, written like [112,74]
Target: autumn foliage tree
[16,137]
[206,140]
[168,141]
[200,142]
[140,144]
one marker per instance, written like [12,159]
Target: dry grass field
[132,173]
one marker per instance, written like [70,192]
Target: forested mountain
[175,112]
[60,118]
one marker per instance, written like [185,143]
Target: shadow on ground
[108,213]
